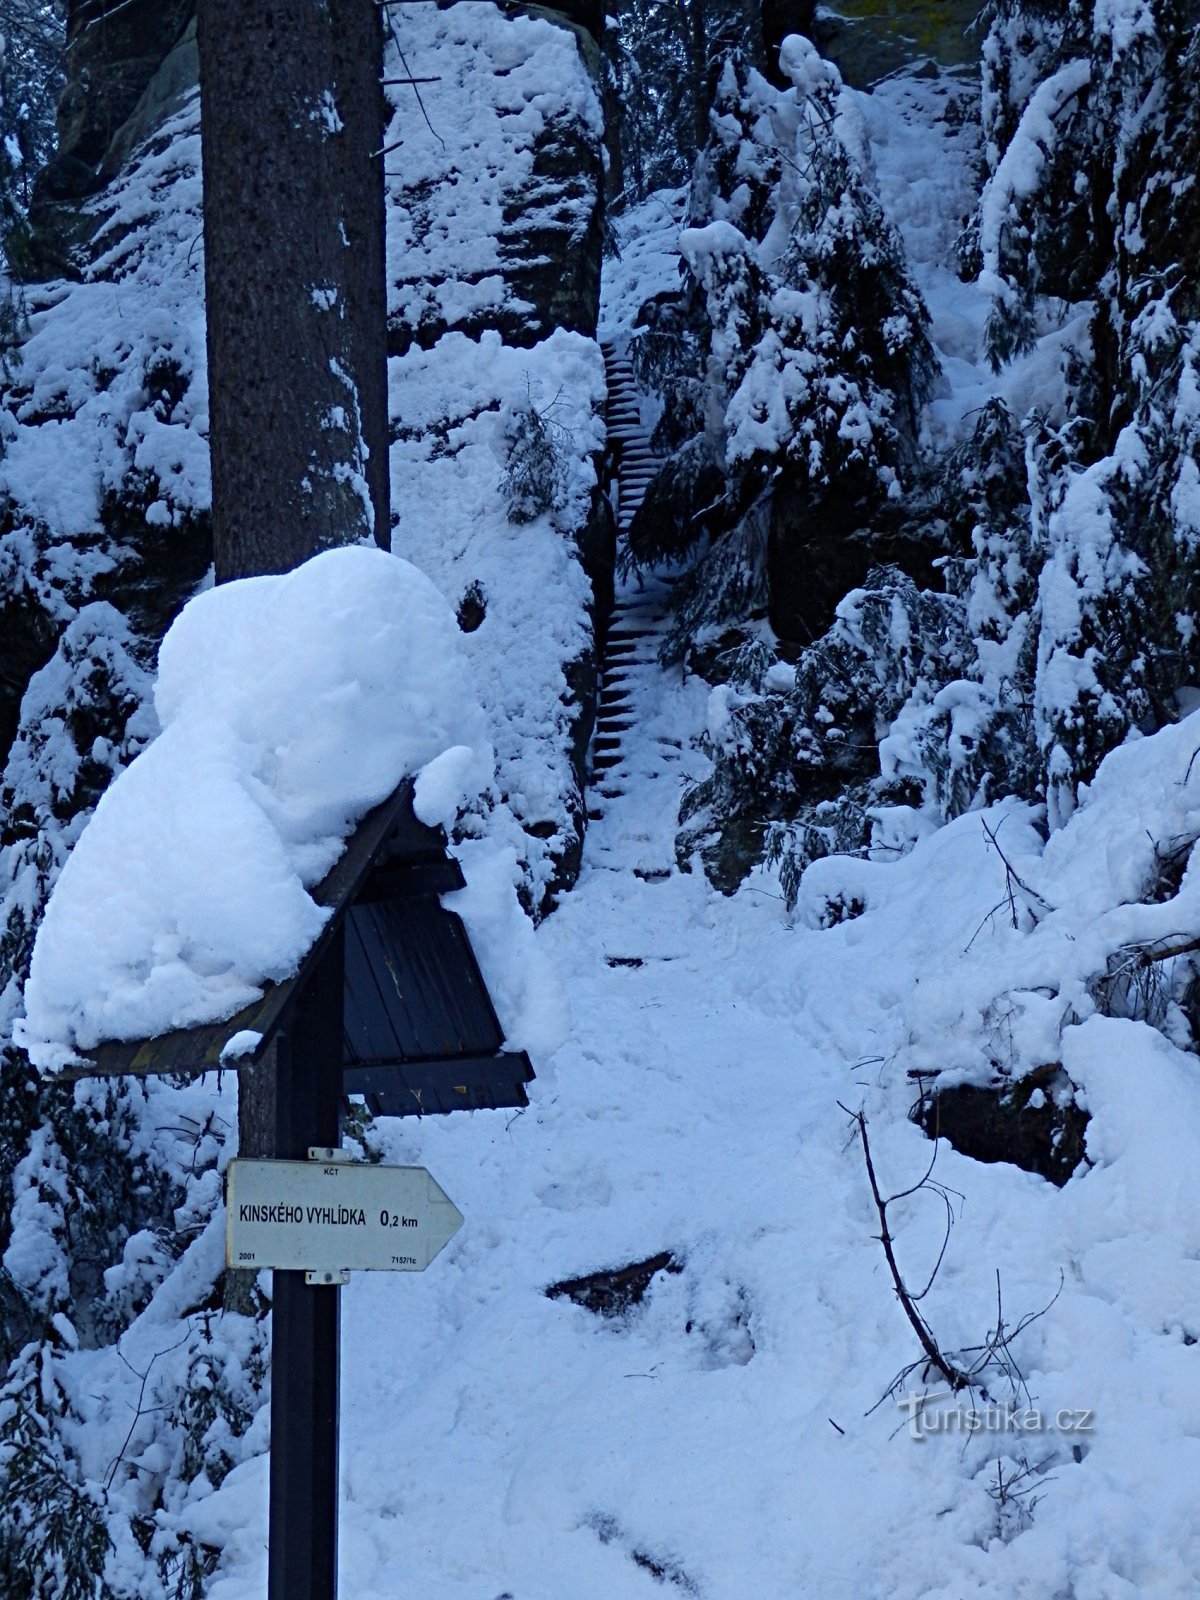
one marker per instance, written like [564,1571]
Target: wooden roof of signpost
[420,1032]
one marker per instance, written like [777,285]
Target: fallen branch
[1015,877]
[954,1375]
[995,1353]
[1146,955]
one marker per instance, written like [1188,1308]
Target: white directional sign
[329,1217]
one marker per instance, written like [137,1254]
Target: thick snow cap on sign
[290,706]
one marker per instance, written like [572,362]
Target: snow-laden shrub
[915,698]
[1093,197]
[221,1394]
[53,1538]
[534,479]
[62,759]
[31,78]
[796,754]
[1032,81]
[800,356]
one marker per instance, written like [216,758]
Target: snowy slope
[720,1439]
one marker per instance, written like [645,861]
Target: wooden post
[305,1318]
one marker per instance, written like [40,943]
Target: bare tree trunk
[291,114]
[357,61]
[698,25]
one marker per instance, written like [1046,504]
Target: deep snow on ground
[723,1440]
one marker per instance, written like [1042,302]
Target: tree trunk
[291,116]
[357,61]
[698,61]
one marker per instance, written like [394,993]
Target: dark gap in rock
[1034,1123]
[540,830]
[472,608]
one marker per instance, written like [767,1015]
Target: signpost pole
[305,1317]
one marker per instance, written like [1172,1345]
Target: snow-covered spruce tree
[807,329]
[1093,198]
[534,479]
[99,1214]
[31,77]
[662,56]
[53,1541]
[102,1203]
[914,707]
[62,758]
[793,375]
[797,751]
[1070,544]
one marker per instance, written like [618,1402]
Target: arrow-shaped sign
[330,1217]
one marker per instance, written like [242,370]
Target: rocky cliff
[495,235]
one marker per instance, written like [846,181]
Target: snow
[646,262]
[725,1437]
[289,707]
[449,409]
[1020,169]
[724,1429]
[464,155]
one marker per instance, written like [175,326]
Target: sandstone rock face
[588,14]
[495,214]
[495,238]
[125,79]
[496,202]
[868,39]
[111,61]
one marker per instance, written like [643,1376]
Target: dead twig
[1147,955]
[139,1410]
[1014,877]
[995,1353]
[954,1375]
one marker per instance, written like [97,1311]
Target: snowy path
[638,742]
